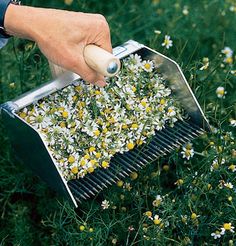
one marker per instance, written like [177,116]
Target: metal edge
[186,84]
[13,114]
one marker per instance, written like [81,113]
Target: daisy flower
[105,204]
[167,42]
[220,92]
[216,234]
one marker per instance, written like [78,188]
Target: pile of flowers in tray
[84,125]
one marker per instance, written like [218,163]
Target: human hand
[61,36]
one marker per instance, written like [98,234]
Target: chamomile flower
[217,234]
[167,42]
[227,51]
[148,66]
[157,201]
[187,151]
[232,122]
[105,204]
[227,227]
[220,92]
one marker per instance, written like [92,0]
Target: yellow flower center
[157,221]
[97,92]
[78,88]
[148,109]
[148,213]
[96,133]
[82,162]
[105,164]
[139,142]
[133,175]
[23,115]
[90,169]
[98,155]
[144,103]
[193,216]
[120,183]
[74,170]
[147,66]
[93,162]
[229,60]
[227,226]
[130,146]
[91,149]
[134,126]
[81,228]
[232,167]
[162,102]
[65,114]
[71,159]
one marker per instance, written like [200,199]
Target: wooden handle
[101,61]
[97,58]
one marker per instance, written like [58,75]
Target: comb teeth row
[122,165]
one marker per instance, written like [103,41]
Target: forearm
[61,35]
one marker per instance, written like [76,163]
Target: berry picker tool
[32,149]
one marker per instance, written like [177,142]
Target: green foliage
[196,200]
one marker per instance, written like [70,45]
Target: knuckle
[100,17]
[102,23]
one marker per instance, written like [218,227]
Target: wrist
[18,21]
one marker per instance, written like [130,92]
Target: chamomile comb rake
[34,152]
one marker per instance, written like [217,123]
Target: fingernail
[100,83]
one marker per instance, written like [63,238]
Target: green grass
[32,214]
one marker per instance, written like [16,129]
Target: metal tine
[136,161]
[163,142]
[189,133]
[119,172]
[171,133]
[175,132]
[92,181]
[86,183]
[166,150]
[105,176]
[110,176]
[84,186]
[194,126]
[83,189]
[183,128]
[98,175]
[78,193]
[166,136]
[113,175]
[156,145]
[137,156]
[126,163]
[97,180]
[151,150]
[142,155]
[199,130]
[77,199]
